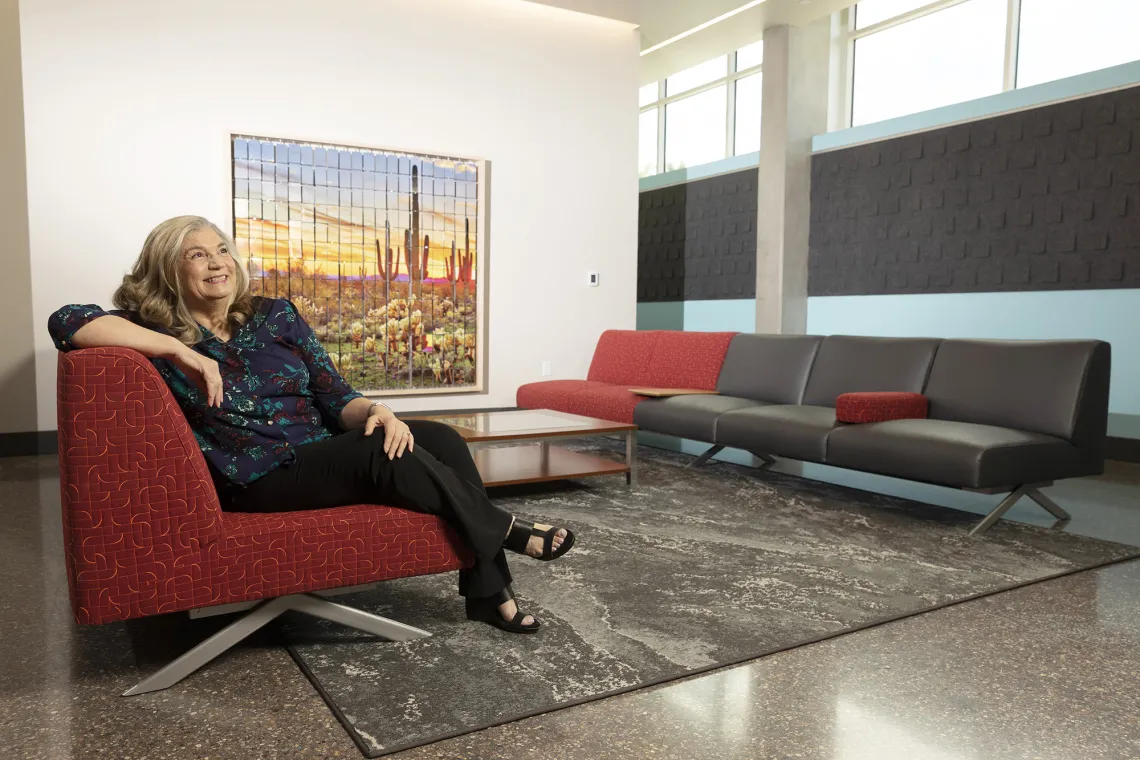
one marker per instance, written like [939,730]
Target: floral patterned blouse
[281,388]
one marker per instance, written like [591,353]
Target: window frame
[849,35]
[729,81]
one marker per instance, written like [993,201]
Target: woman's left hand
[397,436]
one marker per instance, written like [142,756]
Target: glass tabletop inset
[502,423]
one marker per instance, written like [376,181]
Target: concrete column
[17,349]
[796,64]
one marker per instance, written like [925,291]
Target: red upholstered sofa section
[880,407]
[627,359]
[143,530]
[553,394]
[688,359]
[622,357]
[614,403]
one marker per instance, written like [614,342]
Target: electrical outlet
[546,369]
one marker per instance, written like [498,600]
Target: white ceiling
[622,10]
[660,20]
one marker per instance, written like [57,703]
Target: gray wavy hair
[153,289]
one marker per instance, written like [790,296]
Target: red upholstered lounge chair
[144,533]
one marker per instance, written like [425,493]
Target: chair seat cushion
[693,417]
[795,432]
[264,555]
[956,454]
[553,394]
[857,408]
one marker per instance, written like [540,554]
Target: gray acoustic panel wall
[1043,199]
[697,241]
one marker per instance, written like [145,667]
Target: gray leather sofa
[1004,415]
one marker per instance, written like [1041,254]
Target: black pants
[438,478]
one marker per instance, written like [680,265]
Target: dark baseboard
[28,444]
[1122,449]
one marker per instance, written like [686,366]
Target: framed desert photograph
[381,251]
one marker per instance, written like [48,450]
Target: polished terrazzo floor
[1048,671]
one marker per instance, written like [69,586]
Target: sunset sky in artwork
[325,208]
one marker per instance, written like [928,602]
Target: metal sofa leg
[1048,504]
[262,614]
[1033,492]
[709,454]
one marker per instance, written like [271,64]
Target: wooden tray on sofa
[665,392]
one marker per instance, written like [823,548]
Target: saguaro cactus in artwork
[452,273]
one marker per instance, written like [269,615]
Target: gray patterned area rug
[696,569]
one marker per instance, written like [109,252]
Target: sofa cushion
[859,408]
[956,454]
[693,417]
[552,394]
[795,432]
[772,368]
[614,403]
[622,356]
[1027,385]
[847,364]
[687,359]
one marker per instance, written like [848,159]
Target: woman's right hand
[202,370]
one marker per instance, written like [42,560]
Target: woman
[264,399]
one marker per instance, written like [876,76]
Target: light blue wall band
[662,315]
[1108,315]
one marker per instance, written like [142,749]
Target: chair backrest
[139,506]
[1057,387]
[772,368]
[850,364]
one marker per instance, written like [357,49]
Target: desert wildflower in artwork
[378,250]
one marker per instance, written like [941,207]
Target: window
[647,94]
[695,129]
[907,56]
[950,56]
[1101,33]
[691,108]
[647,143]
[702,73]
[750,56]
[871,12]
[748,98]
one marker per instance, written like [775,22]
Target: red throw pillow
[880,407]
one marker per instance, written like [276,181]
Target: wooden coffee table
[532,459]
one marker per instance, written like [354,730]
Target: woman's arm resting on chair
[110,330]
[74,327]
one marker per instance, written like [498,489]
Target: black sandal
[486,610]
[521,533]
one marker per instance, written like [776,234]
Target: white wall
[129,104]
